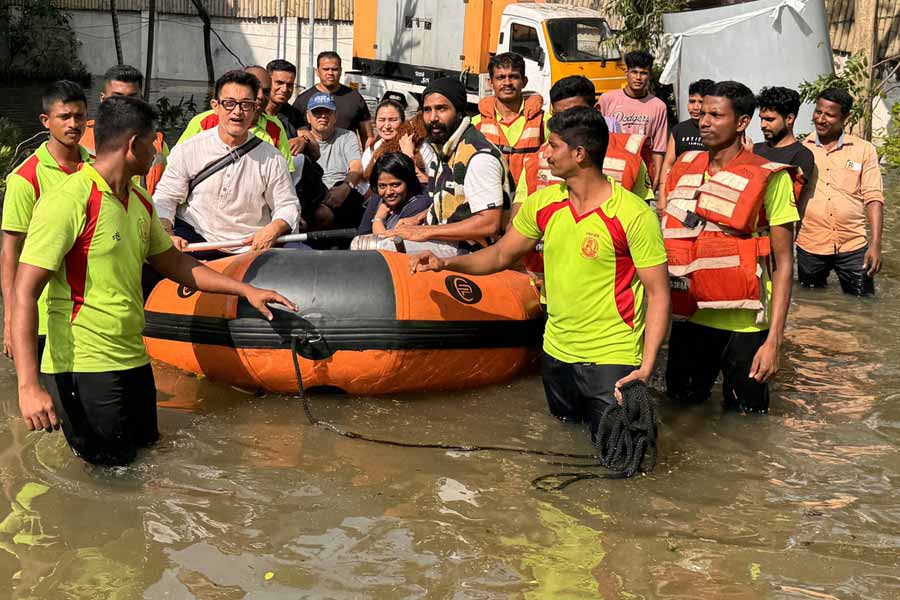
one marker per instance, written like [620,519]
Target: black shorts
[106,417]
[580,391]
[697,354]
[813,270]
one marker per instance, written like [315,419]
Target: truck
[400,46]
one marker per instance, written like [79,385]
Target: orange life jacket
[714,259]
[528,143]
[622,163]
[623,158]
[149,181]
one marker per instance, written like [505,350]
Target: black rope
[538,482]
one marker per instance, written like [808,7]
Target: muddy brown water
[242,498]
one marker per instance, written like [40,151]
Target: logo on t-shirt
[144,228]
[590,245]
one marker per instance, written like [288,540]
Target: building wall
[178,44]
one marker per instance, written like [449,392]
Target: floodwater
[242,498]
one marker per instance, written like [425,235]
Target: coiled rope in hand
[625,439]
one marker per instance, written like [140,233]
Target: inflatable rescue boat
[365,325]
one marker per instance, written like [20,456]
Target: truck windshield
[579,40]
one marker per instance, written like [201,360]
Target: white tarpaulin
[760,44]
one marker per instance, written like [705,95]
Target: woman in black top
[397,194]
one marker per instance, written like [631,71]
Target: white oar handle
[284,239]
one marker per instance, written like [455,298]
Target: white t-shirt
[484,183]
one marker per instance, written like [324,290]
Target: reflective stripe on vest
[529,141]
[623,159]
[714,260]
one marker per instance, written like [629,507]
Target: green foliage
[37,42]
[9,133]
[853,77]
[890,151]
[174,117]
[13,149]
[642,25]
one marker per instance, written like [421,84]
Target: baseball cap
[321,100]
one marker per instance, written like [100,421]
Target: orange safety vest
[532,135]
[623,158]
[714,259]
[622,162]
[156,170]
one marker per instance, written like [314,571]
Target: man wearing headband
[470,187]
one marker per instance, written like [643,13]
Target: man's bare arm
[502,255]
[10,251]
[34,401]
[765,363]
[483,224]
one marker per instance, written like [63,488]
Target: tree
[116,36]
[642,25]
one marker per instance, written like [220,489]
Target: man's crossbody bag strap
[220,163]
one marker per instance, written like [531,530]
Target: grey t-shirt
[336,155]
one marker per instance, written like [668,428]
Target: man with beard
[778,109]
[848,192]
[471,187]
[509,119]
[64,115]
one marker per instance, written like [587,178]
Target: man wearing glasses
[223,183]
[266,127]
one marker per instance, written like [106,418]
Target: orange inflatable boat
[365,325]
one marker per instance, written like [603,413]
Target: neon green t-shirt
[96,246]
[267,128]
[781,209]
[37,175]
[595,299]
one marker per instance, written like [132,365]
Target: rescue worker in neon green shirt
[607,282]
[64,115]
[88,241]
[267,128]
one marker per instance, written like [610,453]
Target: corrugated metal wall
[338,10]
[848,34]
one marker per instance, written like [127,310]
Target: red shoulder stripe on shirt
[144,200]
[274,132]
[28,171]
[209,122]
[625,269]
[77,258]
[543,215]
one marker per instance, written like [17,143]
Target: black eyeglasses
[230,105]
